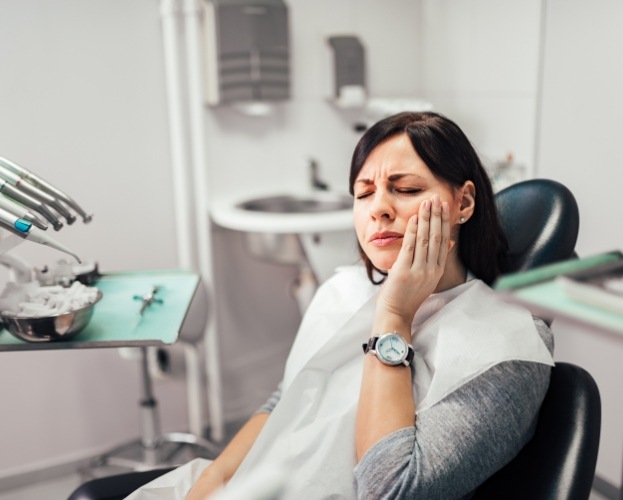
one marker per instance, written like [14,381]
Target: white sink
[285,213]
[309,229]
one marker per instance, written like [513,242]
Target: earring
[462,220]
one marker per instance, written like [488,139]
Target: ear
[467,200]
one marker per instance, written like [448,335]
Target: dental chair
[559,462]
[541,220]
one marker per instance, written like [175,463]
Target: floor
[61,488]
[58,489]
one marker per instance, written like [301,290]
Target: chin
[383,260]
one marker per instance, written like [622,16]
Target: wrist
[388,324]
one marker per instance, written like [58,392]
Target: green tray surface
[543,295]
[116,321]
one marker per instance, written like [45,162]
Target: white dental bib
[457,335]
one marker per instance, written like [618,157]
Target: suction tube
[24,229]
[20,211]
[45,186]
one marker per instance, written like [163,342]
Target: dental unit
[22,191]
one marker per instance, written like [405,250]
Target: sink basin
[309,229]
[288,204]
[281,213]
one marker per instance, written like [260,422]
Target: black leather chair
[540,218]
[116,487]
[559,462]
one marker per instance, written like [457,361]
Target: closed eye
[408,190]
[363,195]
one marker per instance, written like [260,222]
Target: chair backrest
[541,220]
[559,462]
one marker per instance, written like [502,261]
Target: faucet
[316,182]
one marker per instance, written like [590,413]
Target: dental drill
[36,185]
[19,196]
[22,191]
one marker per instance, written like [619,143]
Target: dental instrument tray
[60,326]
[116,321]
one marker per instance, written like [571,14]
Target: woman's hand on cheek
[420,263]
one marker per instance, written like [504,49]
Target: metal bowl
[61,326]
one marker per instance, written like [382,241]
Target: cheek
[413,208]
[359,221]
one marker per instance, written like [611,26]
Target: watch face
[392,348]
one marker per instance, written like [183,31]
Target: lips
[385,238]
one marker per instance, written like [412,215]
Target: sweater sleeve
[459,442]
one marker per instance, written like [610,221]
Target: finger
[446,244]
[405,256]
[435,231]
[422,241]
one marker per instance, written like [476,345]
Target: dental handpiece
[19,183]
[45,186]
[30,202]
[24,229]
[21,212]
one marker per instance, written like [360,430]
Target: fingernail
[436,200]
[445,208]
[426,204]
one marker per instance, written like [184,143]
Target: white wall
[480,67]
[582,109]
[580,146]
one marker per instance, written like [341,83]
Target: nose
[382,206]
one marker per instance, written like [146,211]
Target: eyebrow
[391,178]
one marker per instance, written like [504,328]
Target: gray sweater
[459,442]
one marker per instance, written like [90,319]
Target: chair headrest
[541,220]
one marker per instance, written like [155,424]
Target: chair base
[115,487]
[170,449]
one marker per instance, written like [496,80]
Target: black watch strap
[370,344]
[410,356]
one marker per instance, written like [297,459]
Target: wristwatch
[390,348]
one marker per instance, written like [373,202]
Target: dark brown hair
[449,155]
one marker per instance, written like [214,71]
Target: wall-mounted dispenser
[350,92]
[349,71]
[247,52]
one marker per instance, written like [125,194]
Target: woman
[389,422]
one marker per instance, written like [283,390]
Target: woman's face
[388,191]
